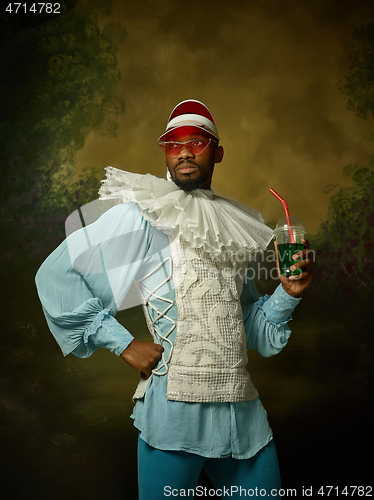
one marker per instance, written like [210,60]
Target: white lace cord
[160,314]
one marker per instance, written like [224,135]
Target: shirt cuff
[105,331]
[278,307]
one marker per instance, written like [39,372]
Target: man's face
[191,172]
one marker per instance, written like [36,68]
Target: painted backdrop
[85,84]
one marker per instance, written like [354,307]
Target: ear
[218,154]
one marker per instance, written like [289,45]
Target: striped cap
[191,113]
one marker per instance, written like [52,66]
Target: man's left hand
[297,284]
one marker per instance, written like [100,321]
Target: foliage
[59,79]
[345,241]
[358,83]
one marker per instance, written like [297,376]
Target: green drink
[287,248]
[285,253]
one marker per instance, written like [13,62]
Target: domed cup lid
[297,225]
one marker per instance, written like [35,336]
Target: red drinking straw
[285,206]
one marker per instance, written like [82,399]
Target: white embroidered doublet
[209,354]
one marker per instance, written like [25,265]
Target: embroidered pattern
[278,308]
[210,356]
[95,325]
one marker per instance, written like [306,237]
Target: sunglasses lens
[196,146]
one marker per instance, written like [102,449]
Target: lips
[186,168]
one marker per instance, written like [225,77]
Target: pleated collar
[200,217]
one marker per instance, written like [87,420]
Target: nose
[185,153]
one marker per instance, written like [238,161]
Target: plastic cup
[285,248]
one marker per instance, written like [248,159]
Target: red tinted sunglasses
[195,146]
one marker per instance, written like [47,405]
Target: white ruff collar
[201,218]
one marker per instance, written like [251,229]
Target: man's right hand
[142,356]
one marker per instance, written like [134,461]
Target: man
[187,252]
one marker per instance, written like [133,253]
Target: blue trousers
[175,474]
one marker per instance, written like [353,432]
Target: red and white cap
[191,113]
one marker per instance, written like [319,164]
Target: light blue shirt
[81,296]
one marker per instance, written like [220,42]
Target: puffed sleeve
[266,318]
[86,280]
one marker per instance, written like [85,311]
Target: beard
[190,184]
